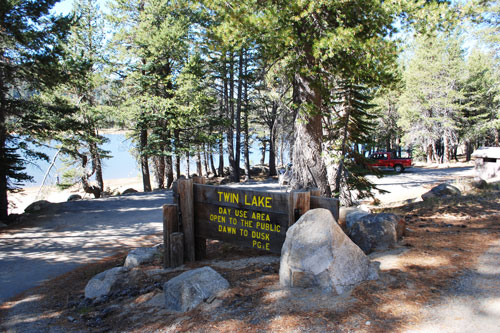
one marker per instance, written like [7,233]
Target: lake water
[121,165]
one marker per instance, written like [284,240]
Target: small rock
[480,184]
[376,232]
[101,284]
[37,206]
[187,290]
[74,197]
[157,301]
[442,190]
[141,255]
[129,191]
[368,323]
[71,319]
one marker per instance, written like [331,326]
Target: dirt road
[416,181]
[70,234]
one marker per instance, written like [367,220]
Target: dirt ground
[443,241]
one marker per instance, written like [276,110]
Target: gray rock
[442,190]
[74,197]
[480,184]
[37,206]
[344,212]
[129,191]
[141,255]
[354,217]
[103,283]
[187,290]
[317,253]
[376,232]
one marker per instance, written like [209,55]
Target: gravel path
[472,304]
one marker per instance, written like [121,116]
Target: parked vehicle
[390,160]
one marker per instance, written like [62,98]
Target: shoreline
[20,200]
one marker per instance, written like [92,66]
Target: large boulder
[375,232]
[187,290]
[103,283]
[141,255]
[317,253]
[442,190]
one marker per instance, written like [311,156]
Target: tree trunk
[96,161]
[237,157]
[177,154]
[468,151]
[159,170]
[205,158]
[146,180]
[272,141]
[308,167]
[446,152]
[4,165]
[264,148]
[169,170]
[198,163]
[245,119]
[233,173]
[221,139]
[429,153]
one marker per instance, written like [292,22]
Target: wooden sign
[246,218]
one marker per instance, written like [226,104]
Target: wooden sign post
[247,218]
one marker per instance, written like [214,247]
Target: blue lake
[122,164]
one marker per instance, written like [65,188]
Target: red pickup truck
[390,160]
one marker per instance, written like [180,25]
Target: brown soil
[443,239]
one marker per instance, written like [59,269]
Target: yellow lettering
[226,197]
[220,196]
[236,198]
[268,202]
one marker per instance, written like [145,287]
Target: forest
[321,82]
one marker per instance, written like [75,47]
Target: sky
[64,6]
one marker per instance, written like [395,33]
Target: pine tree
[431,101]
[85,61]
[30,49]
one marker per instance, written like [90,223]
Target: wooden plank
[299,205]
[332,204]
[170,225]
[200,242]
[185,189]
[176,249]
